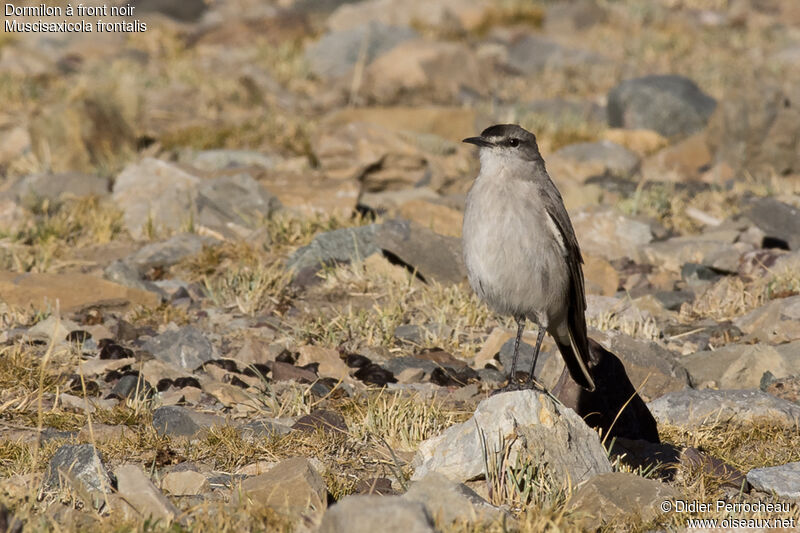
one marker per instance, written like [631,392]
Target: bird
[520,250]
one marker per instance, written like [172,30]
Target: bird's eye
[513,143]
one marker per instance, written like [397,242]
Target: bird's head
[508,142]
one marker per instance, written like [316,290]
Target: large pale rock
[713,250]
[547,435]
[783,480]
[740,366]
[80,466]
[775,322]
[71,291]
[449,501]
[611,235]
[339,246]
[370,513]
[186,347]
[185,483]
[696,408]
[138,492]
[602,157]
[293,486]
[617,495]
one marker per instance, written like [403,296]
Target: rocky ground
[233,296]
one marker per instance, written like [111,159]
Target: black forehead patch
[508,130]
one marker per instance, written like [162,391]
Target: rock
[645,360]
[532,54]
[684,160]
[672,105]
[186,348]
[292,487]
[128,275]
[52,329]
[784,388]
[58,187]
[569,17]
[783,480]
[285,372]
[438,218]
[547,434]
[713,249]
[769,140]
[321,419]
[695,408]
[457,15]
[185,483]
[740,366]
[548,366]
[621,495]
[72,291]
[450,502]
[80,466]
[167,253]
[183,422]
[339,246]
[614,406]
[330,364]
[712,466]
[156,193]
[382,159]
[434,257]
[336,53]
[598,158]
[232,206]
[138,492]
[778,220]
[421,71]
[611,235]
[600,276]
[311,192]
[368,513]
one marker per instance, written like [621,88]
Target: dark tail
[576,356]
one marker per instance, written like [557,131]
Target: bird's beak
[478,141]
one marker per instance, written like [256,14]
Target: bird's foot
[516,385]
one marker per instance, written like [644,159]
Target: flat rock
[225,159]
[434,257]
[169,252]
[696,408]
[601,157]
[72,291]
[449,501]
[180,421]
[617,495]
[547,434]
[740,366]
[338,246]
[293,486]
[369,513]
[532,54]
[56,187]
[138,492]
[674,253]
[186,347]
[783,480]
[185,483]
[674,106]
[777,220]
[336,53]
[611,235]
[79,465]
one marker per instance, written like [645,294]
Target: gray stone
[618,495]
[138,492]
[696,408]
[186,347]
[233,205]
[370,513]
[617,160]
[169,252]
[338,246]
[713,250]
[573,16]
[434,257]
[532,54]
[674,106]
[449,501]
[769,140]
[775,322]
[777,220]
[55,187]
[534,427]
[128,275]
[81,465]
[740,366]
[413,333]
[185,483]
[257,429]
[645,360]
[611,235]
[180,421]
[291,487]
[783,480]
[336,53]
[155,192]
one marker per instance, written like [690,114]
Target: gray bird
[520,250]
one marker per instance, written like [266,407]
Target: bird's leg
[520,328]
[539,339]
